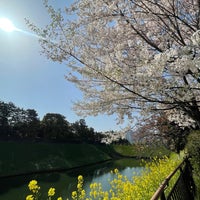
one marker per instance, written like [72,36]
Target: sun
[6,25]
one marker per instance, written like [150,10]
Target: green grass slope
[23,157]
[141,151]
[26,157]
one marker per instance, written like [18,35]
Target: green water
[16,188]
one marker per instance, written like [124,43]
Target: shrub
[193,148]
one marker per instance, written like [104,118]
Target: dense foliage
[18,123]
[193,148]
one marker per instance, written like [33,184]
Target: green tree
[83,133]
[55,126]
[33,123]
[79,129]
[12,120]
[6,110]
[19,117]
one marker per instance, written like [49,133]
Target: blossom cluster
[111,136]
[129,56]
[35,188]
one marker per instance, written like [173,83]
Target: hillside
[29,157]
[26,157]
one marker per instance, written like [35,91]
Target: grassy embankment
[25,157]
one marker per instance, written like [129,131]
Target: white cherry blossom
[129,56]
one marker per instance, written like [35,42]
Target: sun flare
[6,25]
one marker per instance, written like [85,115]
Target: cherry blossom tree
[158,130]
[129,56]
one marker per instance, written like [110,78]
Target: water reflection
[65,183]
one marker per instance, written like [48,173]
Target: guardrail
[183,189]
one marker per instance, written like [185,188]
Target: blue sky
[27,78]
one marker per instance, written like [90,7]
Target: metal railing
[183,189]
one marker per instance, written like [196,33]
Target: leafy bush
[193,148]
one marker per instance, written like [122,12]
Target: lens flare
[6,25]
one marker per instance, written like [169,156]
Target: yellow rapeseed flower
[116,171]
[80,178]
[83,193]
[79,186]
[30,197]
[51,192]
[141,186]
[74,195]
[33,186]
